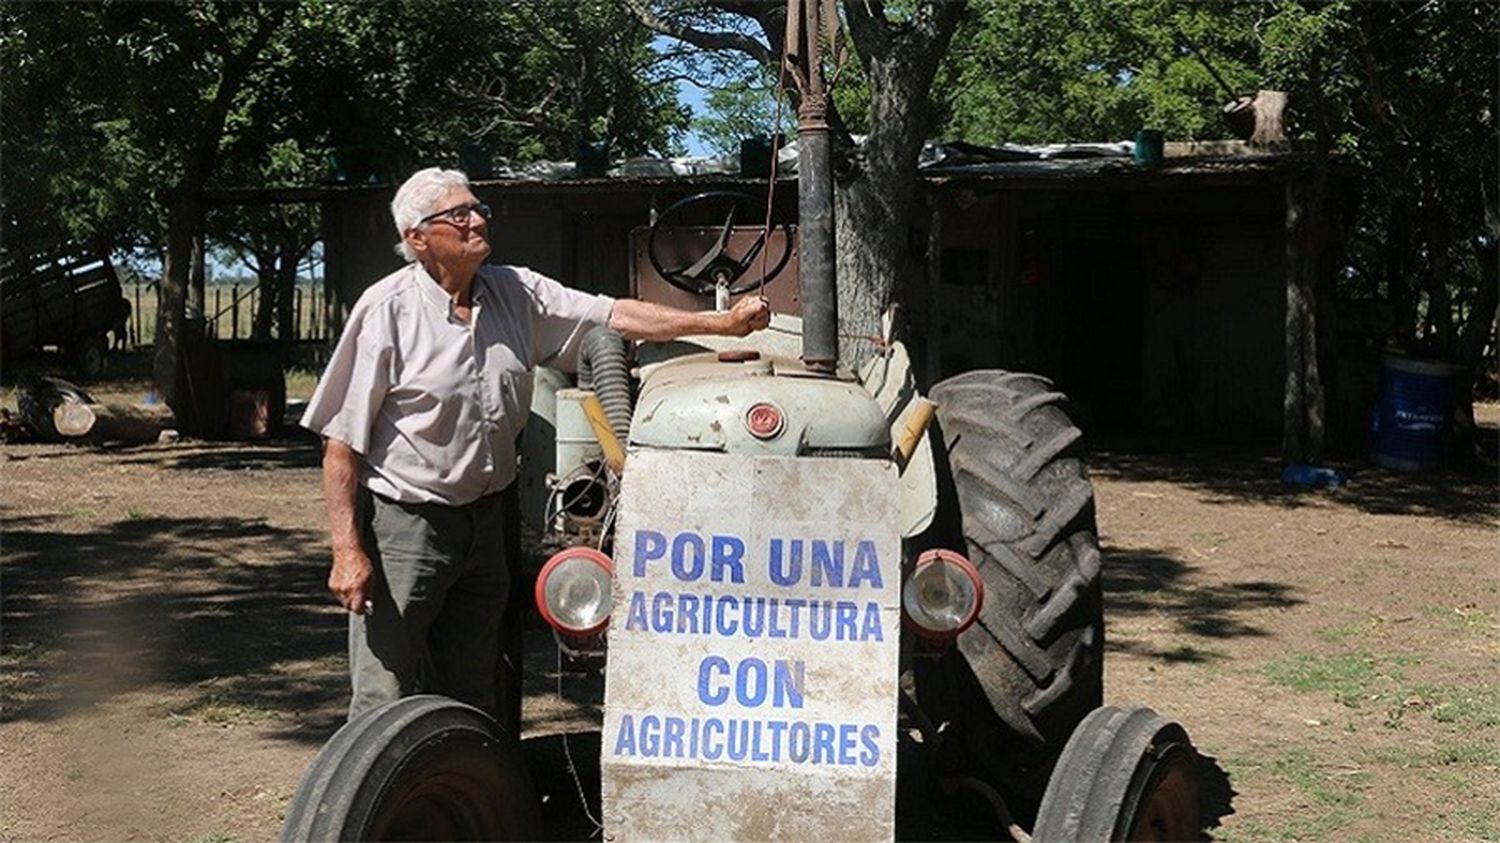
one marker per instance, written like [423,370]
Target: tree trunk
[286,291]
[184,215]
[1474,336]
[266,289]
[873,205]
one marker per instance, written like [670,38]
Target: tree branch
[698,38]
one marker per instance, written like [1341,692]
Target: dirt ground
[171,661]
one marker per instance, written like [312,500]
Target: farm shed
[1157,298]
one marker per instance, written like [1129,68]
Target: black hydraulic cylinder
[820,335]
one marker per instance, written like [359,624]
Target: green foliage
[1404,92]
[1028,72]
[109,105]
[741,108]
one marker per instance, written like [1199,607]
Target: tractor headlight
[942,596]
[573,591]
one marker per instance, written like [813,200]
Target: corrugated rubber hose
[603,368]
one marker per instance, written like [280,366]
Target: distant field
[228,321]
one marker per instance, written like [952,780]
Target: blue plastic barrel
[1410,428]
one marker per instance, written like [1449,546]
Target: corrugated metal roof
[941,165]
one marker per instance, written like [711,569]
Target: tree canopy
[104,101]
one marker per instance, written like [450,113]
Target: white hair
[418,197]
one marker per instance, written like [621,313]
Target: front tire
[1013,491]
[1126,774]
[419,768]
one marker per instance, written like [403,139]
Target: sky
[694,97]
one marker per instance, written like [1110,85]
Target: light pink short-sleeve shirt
[435,404]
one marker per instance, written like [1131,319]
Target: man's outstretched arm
[639,320]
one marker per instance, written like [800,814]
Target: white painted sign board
[752,681]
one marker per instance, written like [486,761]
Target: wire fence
[230,311]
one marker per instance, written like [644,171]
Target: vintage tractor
[800,573]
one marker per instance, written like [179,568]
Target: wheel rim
[1167,806]
[450,790]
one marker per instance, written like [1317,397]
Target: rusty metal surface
[841,683]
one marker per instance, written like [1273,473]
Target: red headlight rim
[765,420]
[540,592]
[961,562]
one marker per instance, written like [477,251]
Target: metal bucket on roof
[1409,430]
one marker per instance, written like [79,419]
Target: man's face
[458,245]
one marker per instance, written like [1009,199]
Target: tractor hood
[703,402]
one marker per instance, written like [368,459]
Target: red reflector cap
[765,421]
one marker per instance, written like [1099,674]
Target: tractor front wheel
[1126,774]
[419,768]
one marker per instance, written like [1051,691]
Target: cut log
[36,399]
[111,422]
[1260,119]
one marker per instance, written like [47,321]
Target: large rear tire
[419,768]
[1013,491]
[1126,774]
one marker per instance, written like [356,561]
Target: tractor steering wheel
[718,266]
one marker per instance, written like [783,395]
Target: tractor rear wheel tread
[1013,491]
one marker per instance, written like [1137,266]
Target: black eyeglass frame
[468,208]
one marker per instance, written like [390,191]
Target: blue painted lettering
[827,563]
[790,683]
[625,741]
[713,744]
[866,566]
[671,743]
[872,630]
[728,552]
[661,612]
[635,616]
[649,546]
[687,557]
[822,743]
[786,569]
[868,734]
[706,670]
[650,738]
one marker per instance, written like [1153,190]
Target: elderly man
[421,405]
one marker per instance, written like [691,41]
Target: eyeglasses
[459,214]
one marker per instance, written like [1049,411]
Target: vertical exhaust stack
[820,337]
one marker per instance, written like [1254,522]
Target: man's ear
[416,240]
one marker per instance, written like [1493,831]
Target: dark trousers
[442,582]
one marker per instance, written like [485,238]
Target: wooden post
[1302,400]
[234,312]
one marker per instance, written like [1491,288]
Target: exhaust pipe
[820,310]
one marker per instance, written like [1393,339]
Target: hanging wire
[583,800]
[765,253]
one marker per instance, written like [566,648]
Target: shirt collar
[437,297]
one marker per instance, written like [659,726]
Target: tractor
[930,562]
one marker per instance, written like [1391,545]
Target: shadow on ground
[1140,581]
[1228,475]
[93,615]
